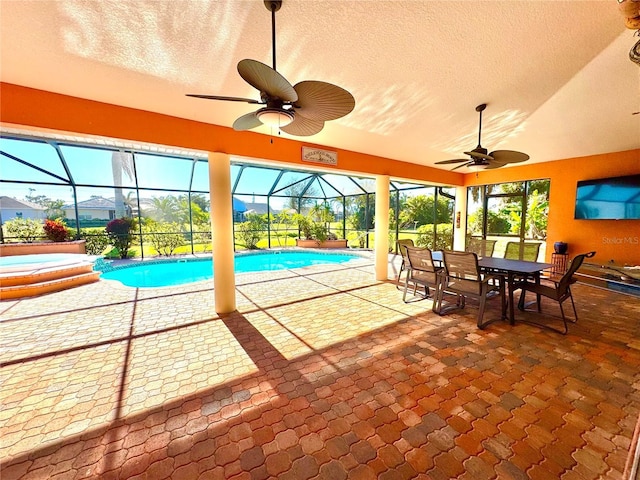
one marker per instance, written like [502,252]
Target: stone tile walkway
[322,372]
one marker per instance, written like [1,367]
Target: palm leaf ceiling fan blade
[303,127]
[455,160]
[509,156]
[322,101]
[265,79]
[220,97]
[463,165]
[247,122]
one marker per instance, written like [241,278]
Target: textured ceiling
[555,74]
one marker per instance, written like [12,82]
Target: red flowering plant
[119,231]
[56,230]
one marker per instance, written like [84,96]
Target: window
[505,212]
[168,193]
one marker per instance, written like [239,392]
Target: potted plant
[314,230]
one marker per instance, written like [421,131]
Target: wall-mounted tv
[615,198]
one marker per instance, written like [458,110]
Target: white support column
[224,280]
[382,228]
[461,214]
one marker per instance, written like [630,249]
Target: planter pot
[76,246]
[342,243]
[560,247]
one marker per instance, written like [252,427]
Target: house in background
[257,207]
[95,208]
[239,208]
[11,208]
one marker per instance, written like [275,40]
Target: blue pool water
[177,272]
[38,259]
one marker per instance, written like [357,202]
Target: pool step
[32,282]
[27,276]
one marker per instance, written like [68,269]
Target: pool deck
[323,372]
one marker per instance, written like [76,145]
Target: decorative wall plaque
[317,155]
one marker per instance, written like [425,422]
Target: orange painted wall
[613,240]
[617,240]
[40,109]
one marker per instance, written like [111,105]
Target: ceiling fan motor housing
[480,150]
[273,5]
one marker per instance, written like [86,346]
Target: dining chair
[558,290]
[462,276]
[401,244]
[527,251]
[422,271]
[522,251]
[481,246]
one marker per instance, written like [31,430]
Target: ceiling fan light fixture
[275,117]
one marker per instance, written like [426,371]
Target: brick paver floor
[322,372]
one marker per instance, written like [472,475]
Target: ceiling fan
[479,156]
[299,110]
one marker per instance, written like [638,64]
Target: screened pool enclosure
[166,192]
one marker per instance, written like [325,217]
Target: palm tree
[165,209]
[121,162]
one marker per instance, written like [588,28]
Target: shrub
[250,232]
[24,229]
[119,231]
[165,237]
[202,236]
[56,230]
[95,244]
[443,237]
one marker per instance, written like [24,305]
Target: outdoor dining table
[511,269]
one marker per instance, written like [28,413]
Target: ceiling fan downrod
[273,6]
[480,108]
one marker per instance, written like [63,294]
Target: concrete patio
[321,373]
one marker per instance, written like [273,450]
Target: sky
[93,166]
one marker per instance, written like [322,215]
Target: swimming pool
[164,273]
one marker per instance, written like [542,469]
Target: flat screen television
[615,198]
